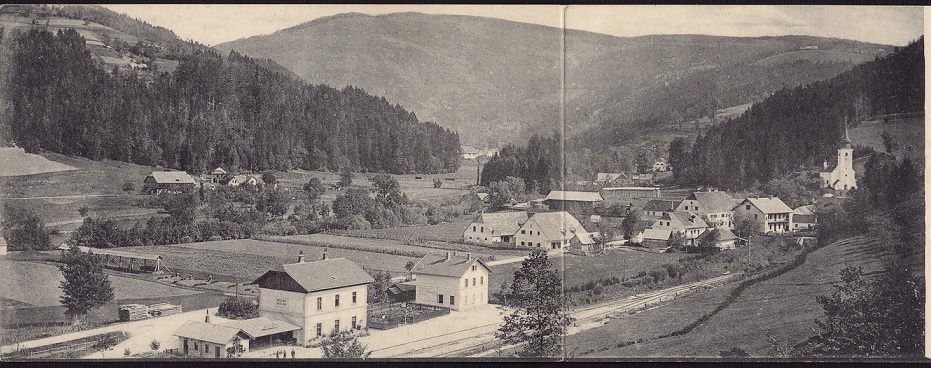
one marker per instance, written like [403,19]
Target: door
[185,347]
[216,349]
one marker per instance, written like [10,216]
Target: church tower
[841,175]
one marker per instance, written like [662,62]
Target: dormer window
[473,267]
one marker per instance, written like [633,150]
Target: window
[466,282]
[281,302]
[523,231]
[522,243]
[473,267]
[755,216]
[353,297]
[319,329]
[336,301]
[473,280]
[482,229]
[439,299]
[481,280]
[319,303]
[846,154]
[353,322]
[216,350]
[336,325]
[473,229]
[747,207]
[196,346]
[538,244]
[452,300]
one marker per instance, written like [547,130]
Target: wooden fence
[378,320]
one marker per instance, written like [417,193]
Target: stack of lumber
[133,312]
[164,309]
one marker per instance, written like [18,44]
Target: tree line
[539,164]
[801,126]
[212,111]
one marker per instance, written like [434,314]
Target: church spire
[846,134]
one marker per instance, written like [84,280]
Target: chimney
[825,164]
[323,257]
[468,257]
[300,257]
[448,256]
[207,319]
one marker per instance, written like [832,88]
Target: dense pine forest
[213,111]
[799,127]
[539,164]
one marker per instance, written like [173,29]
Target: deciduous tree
[237,307]
[343,344]
[85,286]
[24,230]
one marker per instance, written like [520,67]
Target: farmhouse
[655,238]
[726,238]
[661,165]
[839,175]
[629,193]
[575,202]
[774,215]
[319,296]
[613,179]
[554,230]
[451,281]
[803,218]
[498,227]
[688,224]
[715,207]
[655,208]
[168,182]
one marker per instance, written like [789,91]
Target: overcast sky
[896,25]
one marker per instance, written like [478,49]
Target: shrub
[238,308]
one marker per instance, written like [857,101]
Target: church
[840,175]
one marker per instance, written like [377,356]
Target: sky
[895,25]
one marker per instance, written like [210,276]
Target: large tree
[85,286]
[538,316]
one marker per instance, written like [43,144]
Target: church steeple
[846,135]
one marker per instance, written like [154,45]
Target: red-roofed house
[451,281]
[319,296]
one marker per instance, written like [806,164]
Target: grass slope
[783,307]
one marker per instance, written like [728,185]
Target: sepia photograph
[292,183]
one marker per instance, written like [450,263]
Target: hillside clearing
[15,161]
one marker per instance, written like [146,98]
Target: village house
[217,174]
[661,165]
[803,218]
[574,202]
[553,230]
[839,174]
[715,207]
[319,296]
[498,227]
[167,182]
[773,214]
[726,238]
[655,208]
[619,179]
[453,281]
[690,225]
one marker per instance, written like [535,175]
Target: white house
[551,230]
[726,238]
[655,208]
[451,281]
[715,207]
[498,227]
[839,175]
[319,296]
[773,214]
[217,174]
[661,165]
[208,340]
[690,225]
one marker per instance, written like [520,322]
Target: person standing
[292,353]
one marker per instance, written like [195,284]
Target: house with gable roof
[772,213]
[690,225]
[575,202]
[451,281]
[552,230]
[167,182]
[319,296]
[715,207]
[497,227]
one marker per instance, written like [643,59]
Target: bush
[238,308]
[215,238]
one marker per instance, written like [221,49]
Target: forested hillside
[539,164]
[212,111]
[801,126]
